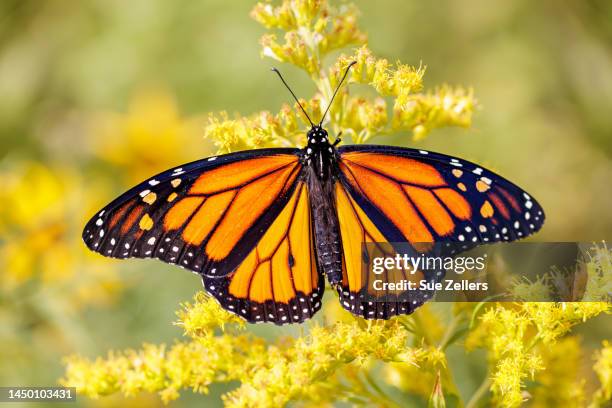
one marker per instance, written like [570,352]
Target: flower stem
[479,393]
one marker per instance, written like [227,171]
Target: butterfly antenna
[336,91]
[294,97]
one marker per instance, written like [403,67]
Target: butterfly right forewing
[205,216]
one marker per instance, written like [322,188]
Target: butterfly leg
[338,139]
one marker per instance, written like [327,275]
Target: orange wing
[356,228]
[398,195]
[278,281]
[205,216]
[425,197]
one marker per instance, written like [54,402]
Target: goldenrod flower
[40,221]
[599,274]
[511,332]
[204,315]
[313,29]
[561,383]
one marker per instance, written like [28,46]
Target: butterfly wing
[356,228]
[278,281]
[205,216]
[392,194]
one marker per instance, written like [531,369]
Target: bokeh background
[97,95]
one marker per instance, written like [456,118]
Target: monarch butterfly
[263,228]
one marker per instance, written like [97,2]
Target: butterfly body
[320,160]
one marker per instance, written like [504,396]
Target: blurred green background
[96,95]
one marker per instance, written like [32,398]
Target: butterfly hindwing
[356,229]
[391,194]
[205,216]
[278,281]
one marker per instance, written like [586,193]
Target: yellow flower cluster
[561,384]
[502,332]
[41,217]
[599,274]
[271,374]
[202,316]
[149,137]
[516,334]
[262,129]
[313,29]
[158,368]
[412,110]
[290,371]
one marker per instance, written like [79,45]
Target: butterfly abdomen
[327,232]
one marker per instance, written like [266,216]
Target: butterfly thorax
[319,153]
[320,160]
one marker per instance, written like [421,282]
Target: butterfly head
[317,136]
